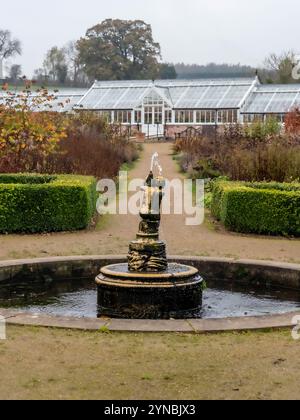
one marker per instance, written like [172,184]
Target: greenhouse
[271,100]
[162,106]
[166,108]
[62,101]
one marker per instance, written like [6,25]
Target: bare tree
[9,47]
[55,65]
[280,67]
[72,59]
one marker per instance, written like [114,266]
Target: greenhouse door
[153,121]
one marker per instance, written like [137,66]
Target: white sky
[190,31]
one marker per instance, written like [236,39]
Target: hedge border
[46,203]
[261,208]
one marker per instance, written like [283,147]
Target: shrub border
[259,208]
[46,203]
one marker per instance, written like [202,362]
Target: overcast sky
[191,31]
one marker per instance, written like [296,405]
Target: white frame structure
[157,104]
[270,101]
[154,106]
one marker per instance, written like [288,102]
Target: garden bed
[46,203]
[262,208]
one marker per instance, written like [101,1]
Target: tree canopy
[167,71]
[120,49]
[213,70]
[9,46]
[15,71]
[55,65]
[279,68]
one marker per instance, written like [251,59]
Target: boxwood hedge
[46,203]
[263,208]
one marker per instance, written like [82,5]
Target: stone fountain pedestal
[175,293]
[148,287]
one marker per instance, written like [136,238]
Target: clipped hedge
[26,179]
[263,208]
[45,203]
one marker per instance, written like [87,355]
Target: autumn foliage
[28,137]
[292,122]
[92,147]
[53,142]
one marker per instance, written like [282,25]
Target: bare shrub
[92,147]
[252,154]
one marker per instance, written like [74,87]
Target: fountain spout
[155,164]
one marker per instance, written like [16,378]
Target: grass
[129,166]
[40,363]
[175,158]
[103,221]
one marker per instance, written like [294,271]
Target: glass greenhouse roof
[278,99]
[63,101]
[204,94]
[179,94]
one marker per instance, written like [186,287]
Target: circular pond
[79,299]
[66,286]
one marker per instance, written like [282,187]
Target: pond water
[220,300]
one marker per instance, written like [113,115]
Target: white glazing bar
[104,96]
[249,91]
[173,116]
[224,96]
[162,96]
[278,90]
[240,118]
[85,95]
[271,100]
[142,96]
[294,101]
[182,96]
[121,97]
[203,95]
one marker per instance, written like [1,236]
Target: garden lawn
[40,363]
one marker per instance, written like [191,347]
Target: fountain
[148,286]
